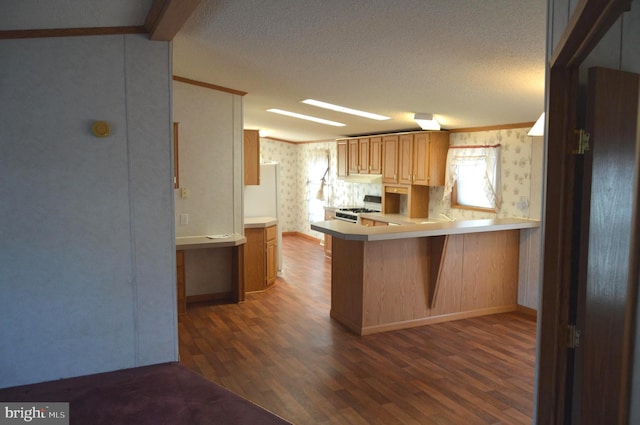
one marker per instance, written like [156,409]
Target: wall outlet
[184,219]
[184,193]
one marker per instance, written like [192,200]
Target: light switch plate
[184,218]
[184,193]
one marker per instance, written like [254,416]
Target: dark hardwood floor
[281,350]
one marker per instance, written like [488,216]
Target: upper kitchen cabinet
[430,157]
[353,156]
[176,162]
[416,158]
[405,159]
[390,158]
[375,155]
[364,155]
[343,164]
[423,157]
[251,157]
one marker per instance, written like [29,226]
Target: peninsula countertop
[423,228]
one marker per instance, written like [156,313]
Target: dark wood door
[606,244]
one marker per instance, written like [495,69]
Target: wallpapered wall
[297,186]
[518,183]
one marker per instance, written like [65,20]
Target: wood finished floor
[281,350]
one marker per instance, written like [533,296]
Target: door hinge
[582,141]
[574,337]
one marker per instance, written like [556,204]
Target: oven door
[346,216]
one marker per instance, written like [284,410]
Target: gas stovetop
[358,210]
[372,204]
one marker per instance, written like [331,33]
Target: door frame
[590,20]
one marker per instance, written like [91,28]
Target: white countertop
[210,241]
[352,231]
[258,222]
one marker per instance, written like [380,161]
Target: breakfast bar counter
[403,227]
[386,278]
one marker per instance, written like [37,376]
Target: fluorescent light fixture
[306,117]
[345,110]
[538,127]
[426,121]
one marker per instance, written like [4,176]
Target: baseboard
[527,311]
[302,235]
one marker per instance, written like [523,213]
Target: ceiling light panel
[426,121]
[345,110]
[306,117]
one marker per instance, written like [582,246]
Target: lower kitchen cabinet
[369,222]
[260,258]
[329,214]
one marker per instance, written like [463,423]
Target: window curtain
[318,164]
[478,157]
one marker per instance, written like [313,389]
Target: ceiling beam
[166,17]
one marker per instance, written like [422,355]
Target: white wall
[210,157]
[87,253]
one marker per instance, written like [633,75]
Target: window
[473,177]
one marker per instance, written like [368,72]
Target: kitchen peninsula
[386,278]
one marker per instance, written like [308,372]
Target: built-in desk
[234,242]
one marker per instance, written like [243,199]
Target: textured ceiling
[470,62]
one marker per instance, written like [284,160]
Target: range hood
[364,178]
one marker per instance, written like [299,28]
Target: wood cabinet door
[342,158]
[363,154]
[272,261]
[375,155]
[405,157]
[390,159]
[438,148]
[421,159]
[354,160]
[255,261]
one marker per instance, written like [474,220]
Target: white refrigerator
[263,200]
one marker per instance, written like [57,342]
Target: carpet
[160,394]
